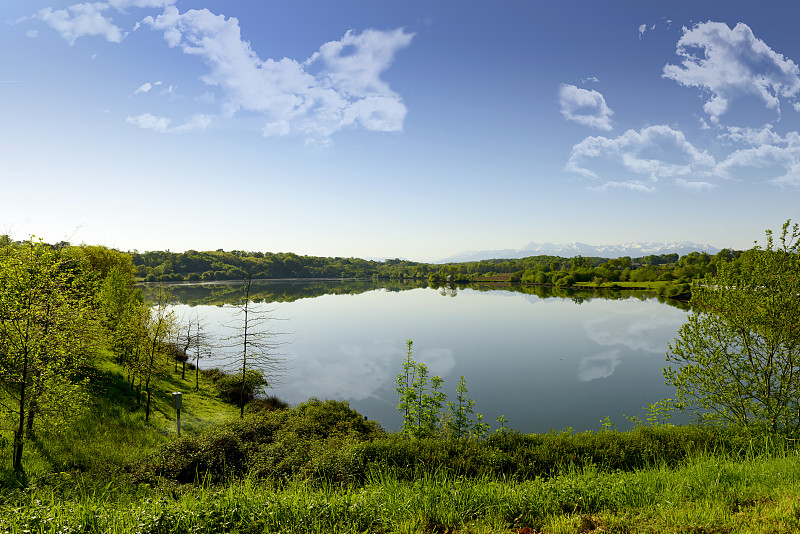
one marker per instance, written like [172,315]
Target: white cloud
[32,33]
[146,87]
[161,124]
[196,122]
[338,86]
[150,122]
[764,155]
[277,128]
[121,5]
[694,186]
[654,152]
[642,29]
[592,79]
[631,185]
[779,165]
[585,107]
[751,136]
[732,63]
[81,19]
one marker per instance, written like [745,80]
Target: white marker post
[177,400]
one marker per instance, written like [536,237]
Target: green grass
[704,494]
[655,286]
[112,432]
[320,468]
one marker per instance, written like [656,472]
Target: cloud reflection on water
[633,329]
[358,372]
[598,365]
[636,327]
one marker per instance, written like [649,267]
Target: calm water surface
[543,362]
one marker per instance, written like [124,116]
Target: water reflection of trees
[221,293]
[578,296]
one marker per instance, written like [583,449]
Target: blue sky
[412,129]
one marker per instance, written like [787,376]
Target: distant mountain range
[568,250]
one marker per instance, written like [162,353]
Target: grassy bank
[111,431]
[320,467]
[703,494]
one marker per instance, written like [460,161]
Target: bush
[265,404]
[233,390]
[275,444]
[214,374]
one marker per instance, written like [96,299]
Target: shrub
[235,391]
[265,404]
[274,444]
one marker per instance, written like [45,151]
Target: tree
[160,327]
[737,358]
[48,330]
[200,345]
[256,346]
[118,299]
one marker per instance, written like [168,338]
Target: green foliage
[48,333]
[421,404]
[737,357]
[276,444]
[240,392]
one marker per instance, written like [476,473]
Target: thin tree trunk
[19,433]
[149,395]
[31,417]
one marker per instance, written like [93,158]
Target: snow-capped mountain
[568,250]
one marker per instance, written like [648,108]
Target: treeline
[236,265]
[165,266]
[565,272]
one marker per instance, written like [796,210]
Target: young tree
[47,335]
[160,327]
[737,359]
[256,347]
[200,346]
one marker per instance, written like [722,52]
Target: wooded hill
[234,265]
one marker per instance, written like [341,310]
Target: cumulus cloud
[751,136]
[121,5]
[338,86]
[779,165]
[641,158]
[149,121]
[587,107]
[730,64]
[761,154]
[79,20]
[642,29]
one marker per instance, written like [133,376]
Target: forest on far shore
[206,266]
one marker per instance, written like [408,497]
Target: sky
[413,129]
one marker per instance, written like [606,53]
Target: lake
[544,360]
